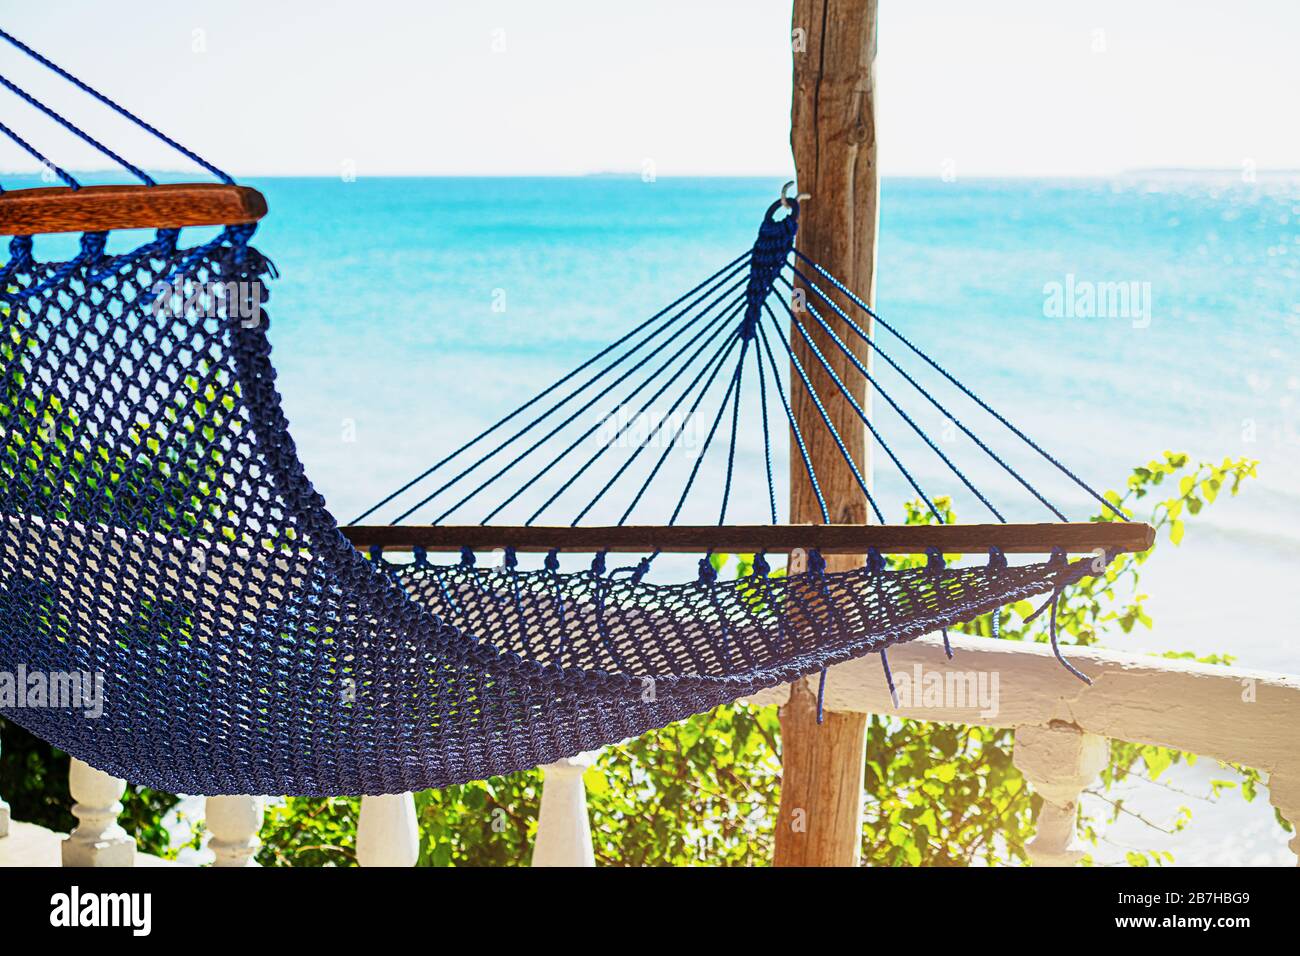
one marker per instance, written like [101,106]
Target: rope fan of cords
[157,527]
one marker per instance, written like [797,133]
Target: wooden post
[833,135]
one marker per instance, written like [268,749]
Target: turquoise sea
[411,313]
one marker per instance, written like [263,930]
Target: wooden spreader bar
[1073,538]
[30,212]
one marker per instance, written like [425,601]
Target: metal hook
[785,197]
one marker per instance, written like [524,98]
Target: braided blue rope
[77,131]
[85,88]
[884,393]
[795,429]
[539,442]
[969,394]
[826,418]
[714,361]
[699,399]
[726,272]
[857,408]
[40,157]
[712,332]
[875,347]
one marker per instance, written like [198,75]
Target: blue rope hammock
[157,527]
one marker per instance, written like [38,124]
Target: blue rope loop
[876,562]
[598,563]
[708,573]
[934,562]
[20,253]
[816,563]
[165,241]
[93,245]
[997,560]
[759,567]
[377,554]
[770,255]
[467,558]
[420,555]
[510,559]
[552,562]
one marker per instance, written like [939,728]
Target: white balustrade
[98,840]
[1058,760]
[563,827]
[4,812]
[388,833]
[1063,725]
[234,823]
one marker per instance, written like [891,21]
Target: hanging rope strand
[767,435]
[39,156]
[717,325]
[861,413]
[624,376]
[683,367]
[699,399]
[794,429]
[85,88]
[76,131]
[735,429]
[862,369]
[708,441]
[714,361]
[718,279]
[969,394]
[875,347]
[825,416]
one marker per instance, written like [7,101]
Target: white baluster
[234,823]
[387,831]
[1058,761]
[563,828]
[4,816]
[98,840]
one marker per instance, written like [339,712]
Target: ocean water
[411,313]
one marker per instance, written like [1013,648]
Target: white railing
[1062,728]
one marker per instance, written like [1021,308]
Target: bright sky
[1017,87]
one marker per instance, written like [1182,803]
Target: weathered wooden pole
[833,134]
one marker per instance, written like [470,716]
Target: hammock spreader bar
[1088,537]
[28,212]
